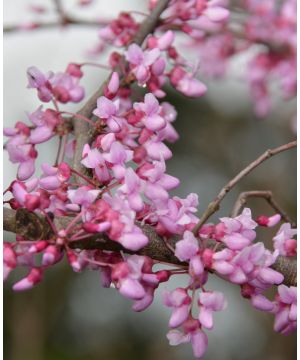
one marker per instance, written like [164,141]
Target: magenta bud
[51,255]
[34,277]
[165,41]
[32,202]
[114,82]
[74,70]
[158,67]
[38,246]
[274,220]
[163,275]
[96,228]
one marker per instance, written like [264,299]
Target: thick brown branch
[19,221]
[82,130]
[215,204]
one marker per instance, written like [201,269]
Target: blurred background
[70,316]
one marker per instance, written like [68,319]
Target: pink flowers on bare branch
[124,183]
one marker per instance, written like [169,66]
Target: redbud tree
[104,201]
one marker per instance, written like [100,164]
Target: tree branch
[215,204]
[68,20]
[34,227]
[82,130]
[266,195]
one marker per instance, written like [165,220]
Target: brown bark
[34,227]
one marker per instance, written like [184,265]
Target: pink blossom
[268,221]
[45,123]
[209,302]
[22,152]
[51,255]
[61,86]
[286,310]
[66,88]
[180,301]
[151,109]
[82,197]
[260,302]
[163,42]
[9,259]
[140,62]
[239,231]
[39,81]
[186,83]
[108,110]
[93,159]
[132,189]
[34,277]
[119,32]
[188,249]
[191,333]
[135,280]
[284,242]
[54,177]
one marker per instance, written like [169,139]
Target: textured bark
[34,227]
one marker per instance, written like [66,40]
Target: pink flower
[284,242]
[54,177]
[66,88]
[239,231]
[132,279]
[158,183]
[214,12]
[39,81]
[83,197]
[93,159]
[119,32]
[140,62]
[191,333]
[180,301]
[208,303]
[117,155]
[151,109]
[33,278]
[25,198]
[112,86]
[131,188]
[52,255]
[188,249]
[45,123]
[268,221]
[22,152]
[260,302]
[9,259]
[108,110]
[286,310]
[128,235]
[61,86]
[163,42]
[186,83]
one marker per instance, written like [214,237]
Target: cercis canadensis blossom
[123,185]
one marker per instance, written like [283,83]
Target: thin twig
[215,204]
[266,195]
[68,20]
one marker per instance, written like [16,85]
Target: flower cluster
[235,257]
[123,188]
[62,86]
